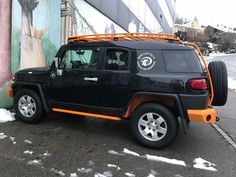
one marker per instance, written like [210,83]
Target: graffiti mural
[34,37]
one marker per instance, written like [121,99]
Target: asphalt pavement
[64,143]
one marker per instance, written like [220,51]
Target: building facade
[33,30]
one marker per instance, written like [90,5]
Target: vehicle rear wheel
[153,125]
[28,106]
[219,77]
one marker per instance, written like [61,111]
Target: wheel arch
[32,86]
[171,101]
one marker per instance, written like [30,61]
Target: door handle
[94,79]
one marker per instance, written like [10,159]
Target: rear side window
[181,61]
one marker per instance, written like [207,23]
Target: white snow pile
[57,172]
[2,136]
[13,139]
[105,174]
[203,164]
[73,175]
[127,151]
[113,166]
[27,142]
[129,174]
[85,170]
[6,116]
[165,160]
[231,84]
[34,162]
[28,152]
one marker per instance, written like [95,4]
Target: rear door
[116,77]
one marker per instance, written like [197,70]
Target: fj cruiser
[153,80]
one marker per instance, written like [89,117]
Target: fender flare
[184,120]
[38,87]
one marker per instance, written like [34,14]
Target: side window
[117,59]
[80,59]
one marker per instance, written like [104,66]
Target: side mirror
[56,62]
[59,72]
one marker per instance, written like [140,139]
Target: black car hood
[38,69]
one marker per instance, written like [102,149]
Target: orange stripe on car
[86,114]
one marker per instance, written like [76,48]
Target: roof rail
[171,38]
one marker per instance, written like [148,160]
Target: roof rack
[171,38]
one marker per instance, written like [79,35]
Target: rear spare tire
[219,78]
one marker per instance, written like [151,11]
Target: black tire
[170,124]
[219,78]
[38,111]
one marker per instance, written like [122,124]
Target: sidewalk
[227,115]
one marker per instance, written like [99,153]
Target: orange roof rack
[125,36]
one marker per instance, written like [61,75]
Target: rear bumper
[202,115]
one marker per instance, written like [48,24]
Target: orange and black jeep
[152,80]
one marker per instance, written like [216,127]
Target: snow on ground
[2,136]
[34,162]
[57,172]
[130,174]
[115,153]
[231,84]
[113,166]
[165,160]
[85,170]
[27,142]
[203,164]
[73,175]
[6,116]
[152,174]
[127,151]
[13,139]
[105,174]
[28,152]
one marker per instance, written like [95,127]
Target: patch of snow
[12,139]
[152,174]
[203,164]
[217,54]
[46,154]
[85,170]
[34,162]
[27,142]
[113,166]
[2,136]
[6,116]
[28,152]
[130,174]
[126,151]
[91,163]
[178,175]
[59,173]
[105,174]
[165,160]
[73,175]
[115,153]
[231,84]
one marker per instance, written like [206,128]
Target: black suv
[151,80]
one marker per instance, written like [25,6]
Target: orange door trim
[86,114]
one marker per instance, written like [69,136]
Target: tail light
[197,84]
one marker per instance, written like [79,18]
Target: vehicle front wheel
[28,106]
[153,125]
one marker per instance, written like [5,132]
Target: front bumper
[202,115]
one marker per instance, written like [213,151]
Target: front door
[80,81]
